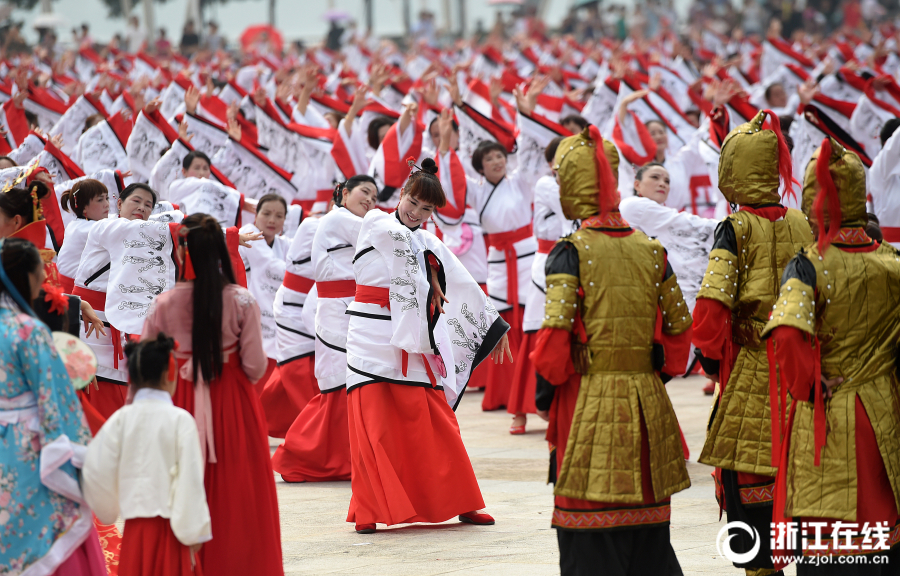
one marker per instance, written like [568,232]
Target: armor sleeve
[676,316]
[795,305]
[562,284]
[721,278]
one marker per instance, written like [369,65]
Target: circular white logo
[723,543]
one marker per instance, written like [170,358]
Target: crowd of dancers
[325,248]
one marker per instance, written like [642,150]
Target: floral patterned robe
[41,426]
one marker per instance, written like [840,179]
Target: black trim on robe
[362,253]
[332,346]
[294,358]
[517,258]
[304,334]
[367,315]
[97,274]
[375,379]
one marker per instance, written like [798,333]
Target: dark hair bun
[429,166]
[148,359]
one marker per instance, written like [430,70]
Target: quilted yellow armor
[619,309]
[850,301]
[744,273]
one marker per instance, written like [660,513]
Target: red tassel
[172,368]
[827,193]
[819,418]
[777,424]
[785,165]
[609,195]
[404,361]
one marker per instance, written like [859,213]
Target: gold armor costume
[844,300]
[751,249]
[620,453]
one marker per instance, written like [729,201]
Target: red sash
[381,297]
[68,284]
[545,246]
[505,241]
[373,295]
[298,283]
[96,299]
[337,289]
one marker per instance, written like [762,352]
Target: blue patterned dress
[41,423]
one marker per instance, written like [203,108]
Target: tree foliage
[114,7]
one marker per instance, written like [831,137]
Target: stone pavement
[512,472]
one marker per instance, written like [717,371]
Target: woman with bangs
[89,200]
[316,447]
[92,282]
[419,325]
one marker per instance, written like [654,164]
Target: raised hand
[191,99]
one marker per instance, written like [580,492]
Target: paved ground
[512,472]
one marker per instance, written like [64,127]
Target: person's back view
[608,288]
[835,331]
[752,247]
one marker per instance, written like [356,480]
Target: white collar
[152,394]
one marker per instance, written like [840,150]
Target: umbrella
[253,34]
[335,15]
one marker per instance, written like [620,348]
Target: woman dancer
[108,393]
[217,325]
[46,528]
[293,383]
[317,448]
[410,353]
[264,263]
[89,200]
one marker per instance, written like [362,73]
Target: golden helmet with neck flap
[587,180]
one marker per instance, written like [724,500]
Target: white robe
[334,245]
[883,185]
[295,324]
[393,257]
[549,224]
[265,273]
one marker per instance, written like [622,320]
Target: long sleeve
[675,326]
[190,519]
[551,355]
[796,361]
[253,357]
[453,180]
[232,240]
[100,475]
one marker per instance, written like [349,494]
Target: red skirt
[521,395]
[259,384]
[240,486]
[86,560]
[287,392]
[409,461]
[150,548]
[478,380]
[500,376]
[106,398]
[317,446]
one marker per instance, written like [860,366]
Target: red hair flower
[59,302]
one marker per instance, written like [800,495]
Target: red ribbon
[505,241]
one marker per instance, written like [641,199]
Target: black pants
[758,516]
[627,552]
